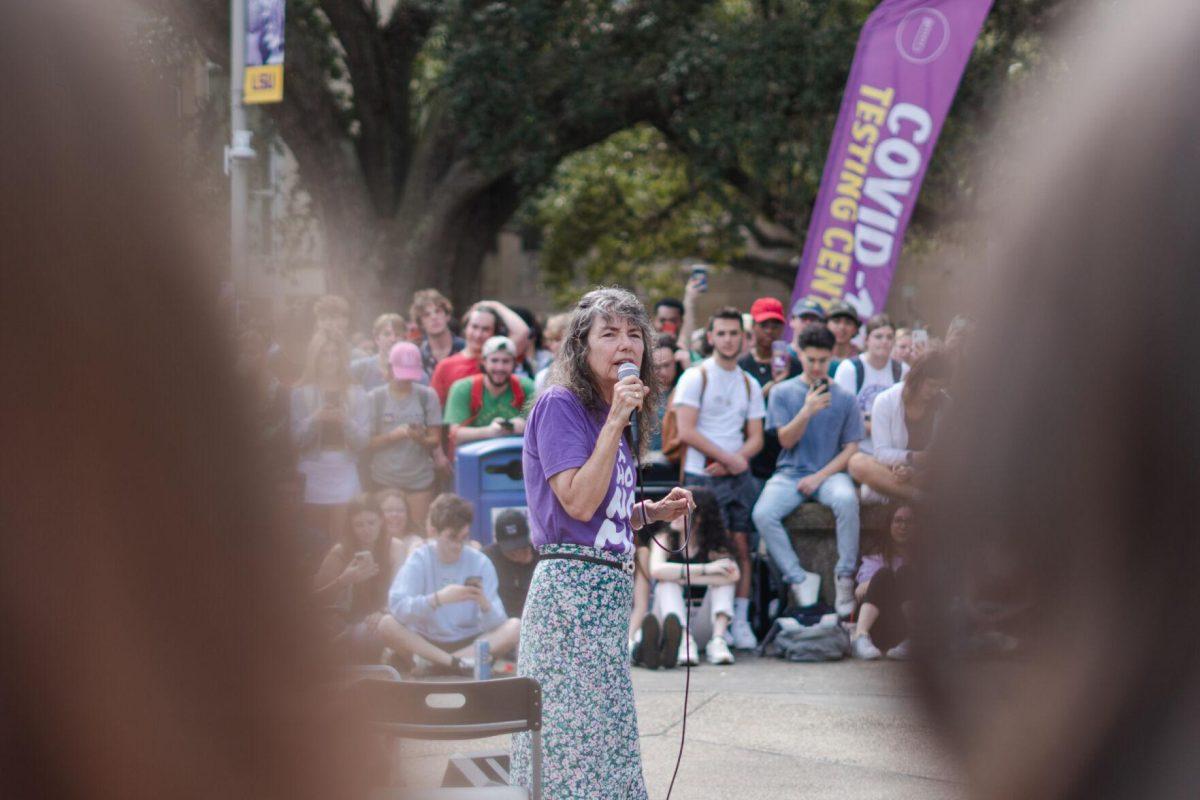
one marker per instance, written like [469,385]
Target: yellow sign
[264,84]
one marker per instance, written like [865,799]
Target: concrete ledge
[812,529]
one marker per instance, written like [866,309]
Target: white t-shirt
[724,410]
[875,381]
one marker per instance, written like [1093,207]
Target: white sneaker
[807,592]
[844,604]
[862,648]
[718,652]
[900,651]
[688,653]
[743,637]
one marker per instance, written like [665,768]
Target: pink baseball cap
[405,359]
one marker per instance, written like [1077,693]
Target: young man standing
[767,313]
[485,320]
[432,311]
[768,329]
[868,375]
[819,428]
[372,371]
[843,322]
[492,404]
[805,313]
[719,410]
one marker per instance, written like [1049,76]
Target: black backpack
[860,372]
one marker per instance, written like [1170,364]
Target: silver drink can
[483,660]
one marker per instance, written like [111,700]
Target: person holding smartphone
[406,421]
[819,428]
[329,427]
[492,404]
[447,592]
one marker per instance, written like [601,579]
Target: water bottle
[483,660]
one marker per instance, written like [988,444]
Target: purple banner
[910,59]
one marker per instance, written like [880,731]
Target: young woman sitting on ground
[354,579]
[884,591]
[713,577]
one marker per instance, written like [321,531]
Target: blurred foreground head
[155,637]
[1069,483]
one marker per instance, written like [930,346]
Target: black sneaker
[645,650]
[672,634]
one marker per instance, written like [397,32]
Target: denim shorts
[736,495]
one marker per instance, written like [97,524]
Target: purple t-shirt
[561,434]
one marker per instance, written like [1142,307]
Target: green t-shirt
[458,403]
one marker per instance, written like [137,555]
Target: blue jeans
[780,498]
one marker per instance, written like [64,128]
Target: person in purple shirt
[579,481]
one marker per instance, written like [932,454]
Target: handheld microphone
[628,369]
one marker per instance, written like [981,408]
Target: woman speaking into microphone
[579,481]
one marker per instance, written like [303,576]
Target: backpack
[514,383]
[674,450]
[860,372]
[790,640]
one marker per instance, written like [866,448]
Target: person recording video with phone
[446,592]
[329,428]
[492,404]
[580,484]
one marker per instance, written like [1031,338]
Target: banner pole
[239,152]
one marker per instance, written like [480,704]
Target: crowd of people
[841,412]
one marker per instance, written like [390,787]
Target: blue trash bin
[489,475]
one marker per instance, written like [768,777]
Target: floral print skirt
[573,641]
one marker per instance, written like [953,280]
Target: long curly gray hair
[571,369]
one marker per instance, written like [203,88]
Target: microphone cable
[687,603]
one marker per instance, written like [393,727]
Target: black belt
[623,566]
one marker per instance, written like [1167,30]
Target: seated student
[866,376]
[819,428]
[905,418]
[446,591]
[709,604]
[397,525]
[884,589]
[354,578]
[492,404]
[513,557]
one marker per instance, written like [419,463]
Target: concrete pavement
[767,729]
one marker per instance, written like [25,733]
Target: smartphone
[821,384]
[700,274]
[507,425]
[920,338]
[475,581]
[779,356]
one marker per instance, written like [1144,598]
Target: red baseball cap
[766,308]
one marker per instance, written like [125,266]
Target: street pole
[239,152]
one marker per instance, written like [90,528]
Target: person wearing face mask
[865,376]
